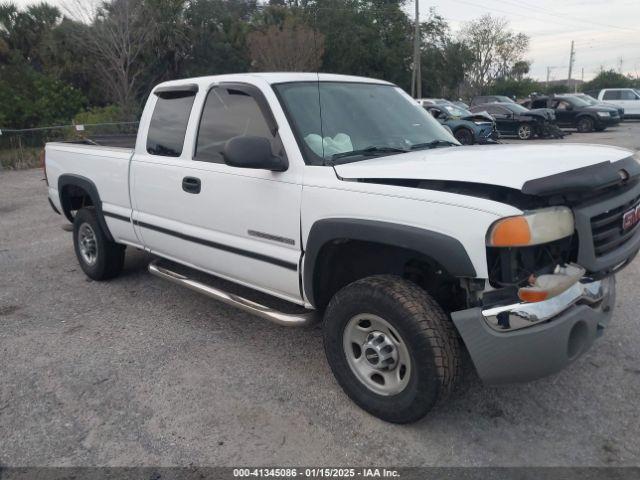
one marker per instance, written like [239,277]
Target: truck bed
[104,167]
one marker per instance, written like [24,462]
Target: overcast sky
[606,32]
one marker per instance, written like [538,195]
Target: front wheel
[464,136]
[391,347]
[585,125]
[525,132]
[99,258]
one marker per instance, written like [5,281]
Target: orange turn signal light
[532,295]
[510,232]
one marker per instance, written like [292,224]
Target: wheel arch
[71,187]
[468,128]
[329,235]
[591,115]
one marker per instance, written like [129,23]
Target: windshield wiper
[433,144]
[369,151]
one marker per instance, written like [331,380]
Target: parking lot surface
[137,371]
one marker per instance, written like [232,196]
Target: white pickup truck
[345,199]
[627,98]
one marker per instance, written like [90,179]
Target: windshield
[575,101]
[516,108]
[504,98]
[456,112]
[588,99]
[332,119]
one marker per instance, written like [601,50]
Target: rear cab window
[168,124]
[612,95]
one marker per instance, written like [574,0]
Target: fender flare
[446,250]
[89,187]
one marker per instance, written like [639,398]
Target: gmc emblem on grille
[631,218]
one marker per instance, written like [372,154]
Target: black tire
[464,136]
[109,256]
[427,332]
[525,131]
[585,124]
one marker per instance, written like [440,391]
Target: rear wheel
[585,125]
[391,347]
[464,136]
[99,258]
[525,132]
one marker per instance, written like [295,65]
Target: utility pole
[548,75]
[582,80]
[416,75]
[571,60]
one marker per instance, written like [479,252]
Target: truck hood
[508,166]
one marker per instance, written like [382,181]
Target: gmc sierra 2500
[341,195]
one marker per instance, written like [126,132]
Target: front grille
[607,231]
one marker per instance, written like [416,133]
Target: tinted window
[611,95]
[169,123]
[627,95]
[515,108]
[496,110]
[227,113]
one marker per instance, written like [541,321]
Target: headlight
[603,114]
[532,228]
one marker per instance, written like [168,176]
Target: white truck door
[627,98]
[630,101]
[241,224]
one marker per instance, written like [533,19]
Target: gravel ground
[137,371]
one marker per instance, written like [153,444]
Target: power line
[484,7]
[550,13]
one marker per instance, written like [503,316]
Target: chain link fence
[21,148]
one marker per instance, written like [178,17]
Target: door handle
[191,184]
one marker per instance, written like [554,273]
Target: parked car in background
[467,127]
[573,112]
[513,119]
[594,101]
[484,99]
[627,98]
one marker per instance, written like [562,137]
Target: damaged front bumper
[558,331]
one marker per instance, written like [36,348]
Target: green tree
[444,60]
[610,79]
[29,98]
[217,36]
[27,32]
[369,38]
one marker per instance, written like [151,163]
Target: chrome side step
[285,319]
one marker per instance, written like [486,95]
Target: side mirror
[252,152]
